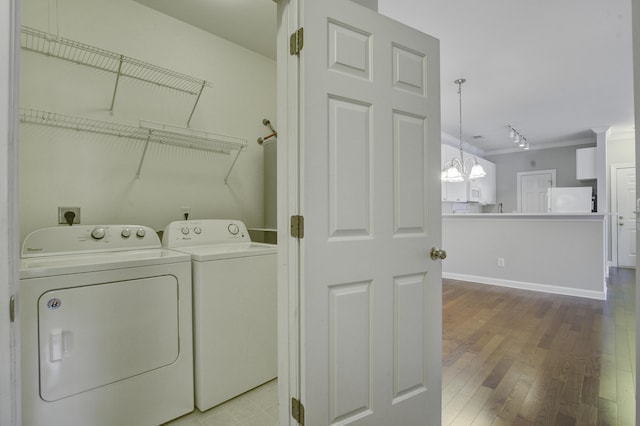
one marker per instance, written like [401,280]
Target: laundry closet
[135,117]
[112,179]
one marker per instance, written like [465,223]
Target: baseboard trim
[543,288]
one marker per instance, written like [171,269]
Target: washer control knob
[184,230]
[197,230]
[126,233]
[98,233]
[140,233]
[233,229]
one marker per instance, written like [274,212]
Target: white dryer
[234,307]
[106,328]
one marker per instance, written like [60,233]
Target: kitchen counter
[556,216]
[554,253]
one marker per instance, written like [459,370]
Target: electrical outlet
[62,220]
[501,262]
[186,212]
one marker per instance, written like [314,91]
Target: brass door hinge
[297,226]
[296,41]
[297,411]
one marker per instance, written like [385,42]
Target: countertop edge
[537,216]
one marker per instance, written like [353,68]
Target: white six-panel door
[625,219]
[369,166]
[532,190]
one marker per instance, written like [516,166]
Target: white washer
[106,327]
[234,307]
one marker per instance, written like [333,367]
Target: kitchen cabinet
[586,163]
[487,184]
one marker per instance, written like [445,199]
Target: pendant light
[455,170]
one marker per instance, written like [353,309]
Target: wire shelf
[123,66]
[147,131]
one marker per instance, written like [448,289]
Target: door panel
[349,168]
[349,349]
[369,170]
[410,336]
[409,134]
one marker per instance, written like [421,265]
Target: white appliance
[106,328]
[569,200]
[474,192]
[234,307]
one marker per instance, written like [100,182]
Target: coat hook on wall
[267,123]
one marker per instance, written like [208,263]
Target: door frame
[288,204]
[10,386]
[613,223]
[532,172]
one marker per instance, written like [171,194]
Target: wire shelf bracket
[34,40]
[147,131]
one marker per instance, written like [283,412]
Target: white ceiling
[552,69]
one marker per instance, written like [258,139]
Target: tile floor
[258,407]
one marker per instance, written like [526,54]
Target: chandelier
[456,170]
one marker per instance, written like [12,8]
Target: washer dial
[233,229]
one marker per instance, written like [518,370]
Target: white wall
[620,149]
[540,252]
[97,173]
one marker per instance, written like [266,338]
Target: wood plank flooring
[514,357]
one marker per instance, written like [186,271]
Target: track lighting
[518,138]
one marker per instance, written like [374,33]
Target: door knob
[437,254]
[621,224]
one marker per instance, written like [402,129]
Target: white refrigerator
[569,200]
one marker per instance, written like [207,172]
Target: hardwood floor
[514,357]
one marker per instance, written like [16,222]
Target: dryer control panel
[200,232]
[88,239]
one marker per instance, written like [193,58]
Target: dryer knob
[233,229]
[126,233]
[140,232]
[184,230]
[98,233]
[197,230]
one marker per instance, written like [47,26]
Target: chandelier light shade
[456,169]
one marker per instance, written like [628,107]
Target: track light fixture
[517,137]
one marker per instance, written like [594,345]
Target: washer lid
[45,266]
[228,251]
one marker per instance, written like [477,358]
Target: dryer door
[98,334]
